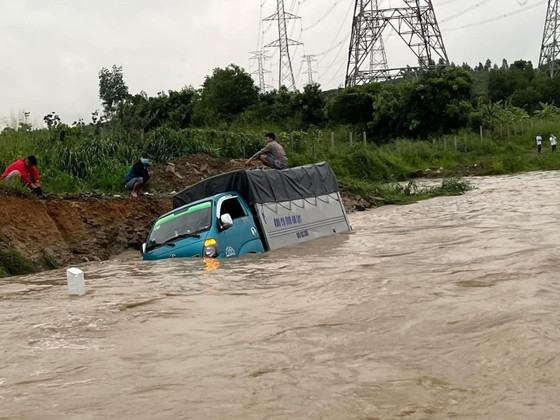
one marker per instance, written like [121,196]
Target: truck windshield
[183,223]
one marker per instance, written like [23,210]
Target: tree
[225,95]
[52,120]
[172,109]
[310,105]
[438,102]
[352,107]
[112,89]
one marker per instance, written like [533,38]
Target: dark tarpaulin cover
[265,186]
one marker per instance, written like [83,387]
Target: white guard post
[76,282]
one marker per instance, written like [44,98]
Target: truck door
[242,231]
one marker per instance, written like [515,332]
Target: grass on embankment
[89,160]
[408,193]
[13,264]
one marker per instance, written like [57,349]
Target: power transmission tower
[286,71]
[550,49]
[414,21]
[260,57]
[309,60]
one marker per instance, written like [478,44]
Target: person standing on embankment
[27,172]
[553,142]
[539,143]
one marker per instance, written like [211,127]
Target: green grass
[14,264]
[407,193]
[89,160]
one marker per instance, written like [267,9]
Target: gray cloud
[52,50]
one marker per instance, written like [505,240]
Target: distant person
[553,142]
[272,155]
[539,143]
[25,171]
[138,177]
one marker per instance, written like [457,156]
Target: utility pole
[260,57]
[283,43]
[414,21]
[550,50]
[309,60]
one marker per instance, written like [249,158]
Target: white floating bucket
[76,282]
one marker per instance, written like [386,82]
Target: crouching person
[138,177]
[272,155]
[26,172]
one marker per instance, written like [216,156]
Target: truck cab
[221,226]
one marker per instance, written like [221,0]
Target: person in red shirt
[27,172]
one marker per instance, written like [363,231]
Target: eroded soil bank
[42,234]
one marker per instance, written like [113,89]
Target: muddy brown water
[448,308]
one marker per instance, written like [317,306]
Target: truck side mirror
[227,221]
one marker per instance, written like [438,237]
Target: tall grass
[88,160]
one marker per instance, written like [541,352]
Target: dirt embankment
[42,234]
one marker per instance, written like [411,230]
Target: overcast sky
[52,50]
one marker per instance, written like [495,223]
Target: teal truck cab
[218,226]
[249,212]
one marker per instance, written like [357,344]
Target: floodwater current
[449,308]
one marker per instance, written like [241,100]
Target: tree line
[428,104]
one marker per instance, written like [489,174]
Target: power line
[283,43]
[323,17]
[495,18]
[465,11]
[334,44]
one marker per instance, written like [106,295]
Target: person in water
[27,172]
[137,177]
[272,155]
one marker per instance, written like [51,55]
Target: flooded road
[448,308]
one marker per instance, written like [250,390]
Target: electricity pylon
[414,21]
[309,60]
[550,49]
[286,71]
[260,57]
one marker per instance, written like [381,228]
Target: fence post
[365,138]
[455,140]
[314,148]
[481,134]
[351,138]
[332,141]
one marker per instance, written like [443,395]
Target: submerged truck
[249,212]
